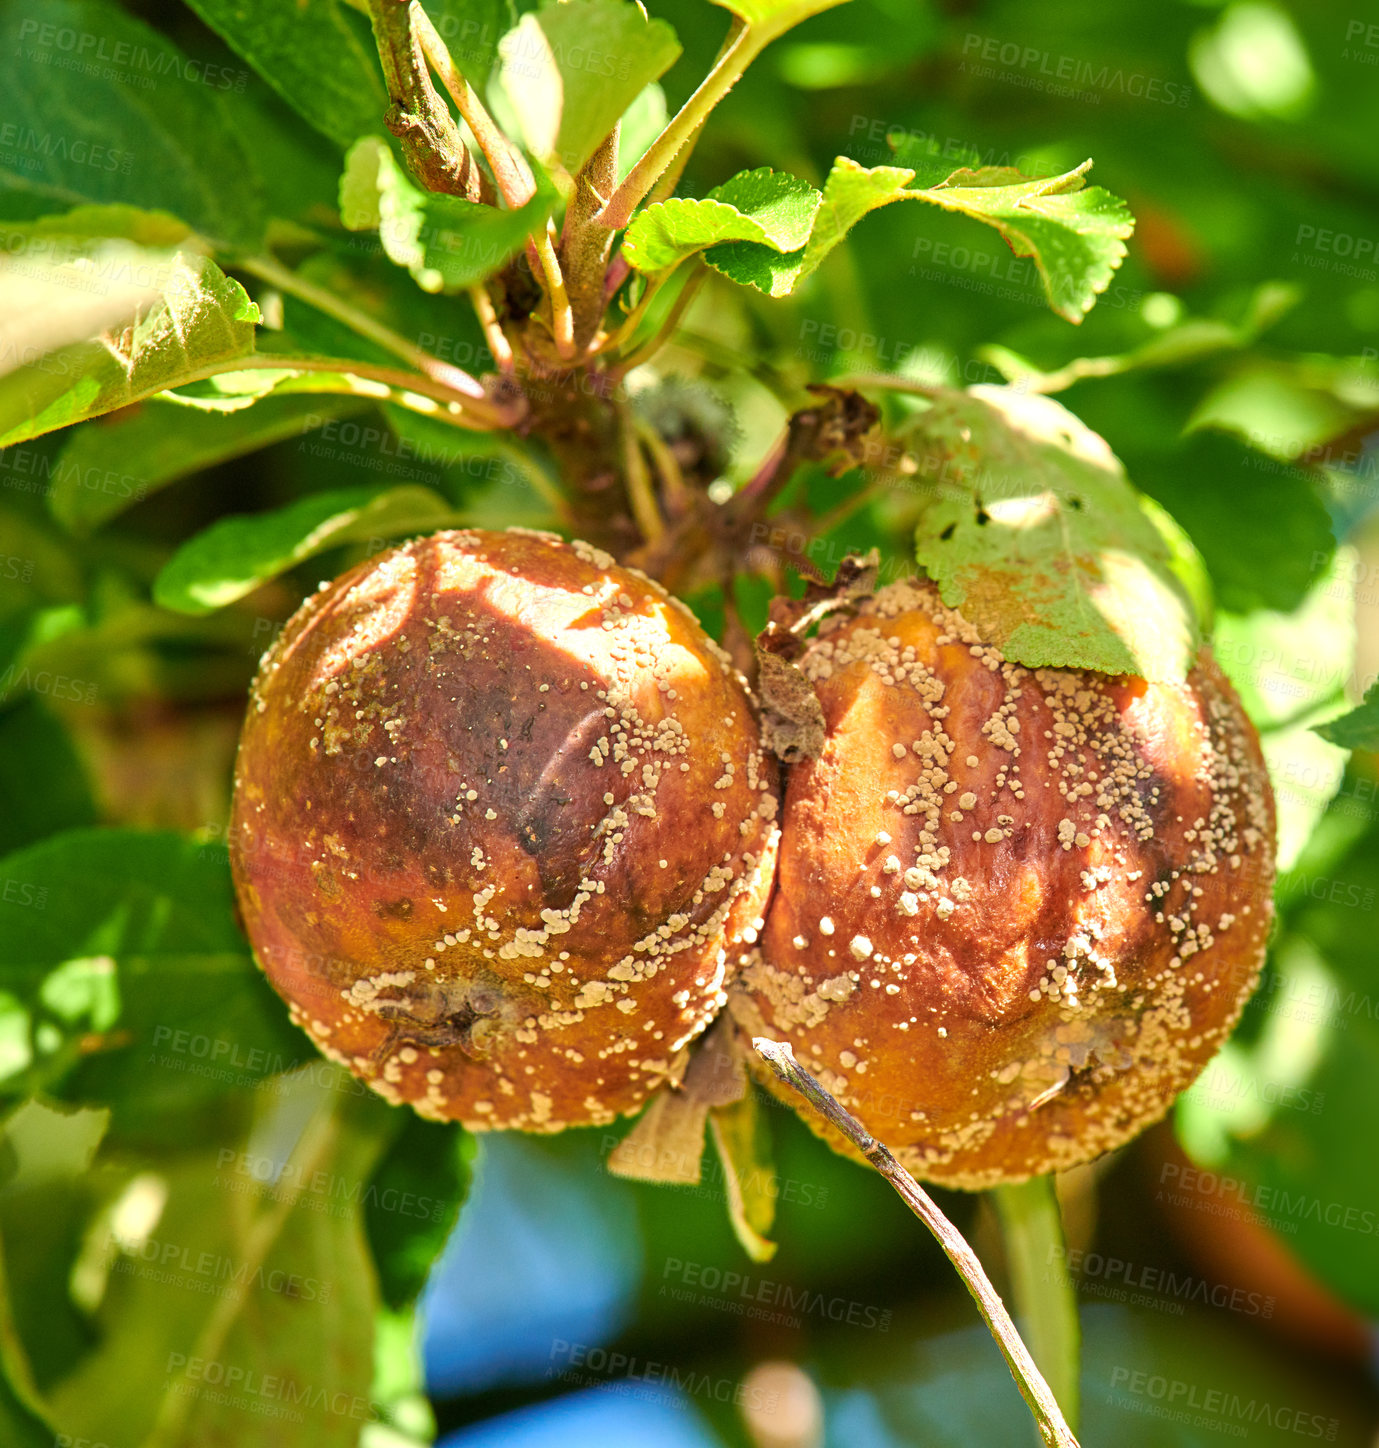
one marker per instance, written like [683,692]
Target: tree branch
[509,167]
[585,242]
[1035,1391]
[431,141]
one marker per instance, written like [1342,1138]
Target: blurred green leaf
[1039,538]
[235,555]
[144,129]
[571,69]
[317,54]
[47,1191]
[150,446]
[121,948]
[1290,670]
[413,1202]
[1265,554]
[260,1269]
[1176,346]
[471,30]
[1359,729]
[43,787]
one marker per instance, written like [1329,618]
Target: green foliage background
[154,1090]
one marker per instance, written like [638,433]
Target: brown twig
[431,141]
[1035,1391]
[509,167]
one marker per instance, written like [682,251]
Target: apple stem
[1053,1428]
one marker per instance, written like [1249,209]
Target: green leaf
[1076,236]
[149,446]
[413,1203]
[771,208]
[317,54]
[850,192]
[1074,233]
[266,1275]
[43,786]
[1290,671]
[144,129]
[114,942]
[1180,345]
[183,317]
[235,555]
[21,1414]
[742,1141]
[642,122]
[47,1190]
[1263,556]
[1281,1108]
[444,241]
[572,68]
[1038,537]
[1359,729]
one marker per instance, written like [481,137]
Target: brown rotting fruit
[501,817]
[1017,909]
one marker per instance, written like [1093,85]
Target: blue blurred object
[548,1250]
[598,1418]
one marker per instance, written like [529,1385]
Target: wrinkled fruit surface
[1017,910]
[501,815]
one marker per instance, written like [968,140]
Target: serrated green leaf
[1038,537]
[1074,233]
[445,242]
[235,555]
[770,208]
[317,54]
[1359,729]
[850,192]
[175,317]
[413,1203]
[571,69]
[143,129]
[110,464]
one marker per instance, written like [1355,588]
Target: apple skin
[501,819]
[1049,893]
